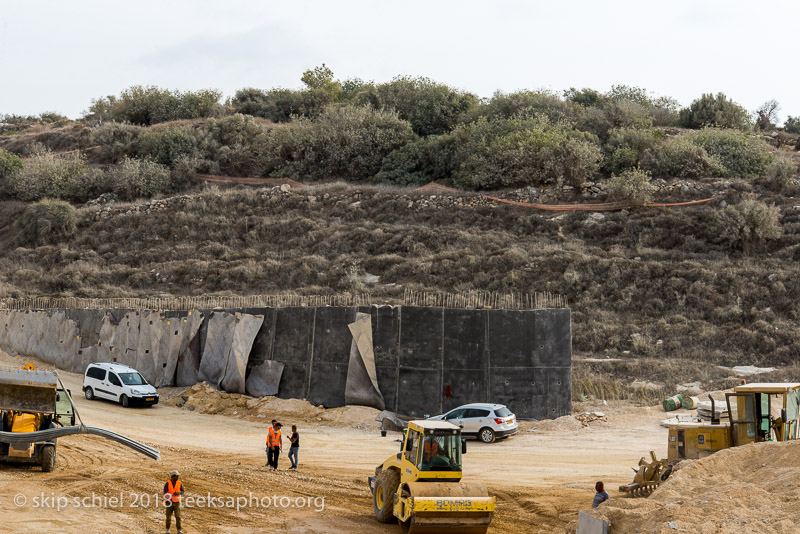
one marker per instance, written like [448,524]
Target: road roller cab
[421,486]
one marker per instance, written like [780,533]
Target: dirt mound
[753,488]
[561,424]
[203,398]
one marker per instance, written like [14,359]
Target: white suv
[486,422]
[118,382]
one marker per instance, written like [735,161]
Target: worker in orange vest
[173,491]
[430,449]
[274,445]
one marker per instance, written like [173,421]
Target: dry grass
[655,273]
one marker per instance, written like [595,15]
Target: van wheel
[486,435]
[48,458]
[124,401]
[88,393]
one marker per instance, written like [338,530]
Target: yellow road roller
[421,486]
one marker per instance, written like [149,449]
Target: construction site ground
[541,477]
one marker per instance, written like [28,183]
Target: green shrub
[625,147]
[680,158]
[431,107]
[792,124]
[748,225]
[715,111]
[610,114]
[255,102]
[137,178]
[742,156]
[166,146]
[88,185]
[632,185]
[621,159]
[47,175]
[235,129]
[780,172]
[184,172]
[46,221]
[10,164]
[150,105]
[425,160]
[343,142]
[320,80]
[117,140]
[584,97]
[519,152]
[527,104]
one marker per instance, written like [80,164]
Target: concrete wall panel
[511,338]
[328,382]
[420,336]
[419,392]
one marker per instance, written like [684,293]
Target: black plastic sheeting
[428,360]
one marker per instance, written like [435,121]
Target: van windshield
[132,379]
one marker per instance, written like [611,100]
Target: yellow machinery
[757,413]
[421,487]
[31,401]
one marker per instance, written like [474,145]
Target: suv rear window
[503,412]
[475,412]
[96,373]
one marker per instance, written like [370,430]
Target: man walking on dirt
[274,445]
[294,448]
[173,491]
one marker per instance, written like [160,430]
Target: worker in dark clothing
[601,496]
[294,448]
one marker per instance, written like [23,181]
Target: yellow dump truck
[31,401]
[421,486]
[757,412]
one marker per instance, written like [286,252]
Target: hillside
[138,198]
[650,288]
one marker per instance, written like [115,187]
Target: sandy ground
[541,477]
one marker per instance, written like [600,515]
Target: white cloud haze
[58,56]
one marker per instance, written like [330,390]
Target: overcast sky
[58,55]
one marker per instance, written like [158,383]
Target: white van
[118,382]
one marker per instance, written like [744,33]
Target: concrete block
[589,524]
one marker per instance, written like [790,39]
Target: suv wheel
[88,393]
[486,435]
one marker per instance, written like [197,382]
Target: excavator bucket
[648,476]
[444,507]
[26,390]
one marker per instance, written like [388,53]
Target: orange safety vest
[430,449]
[273,439]
[172,490]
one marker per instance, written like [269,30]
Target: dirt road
[541,477]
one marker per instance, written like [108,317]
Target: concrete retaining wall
[518,358]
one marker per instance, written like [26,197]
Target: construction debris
[704,410]
[587,418]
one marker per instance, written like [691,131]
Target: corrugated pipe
[53,433]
